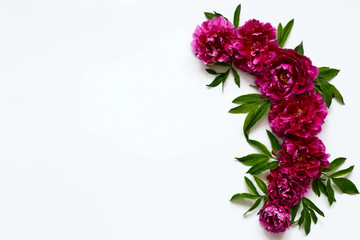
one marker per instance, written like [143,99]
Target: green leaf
[327,73]
[220,15]
[345,185]
[322,187]
[336,94]
[237,16]
[247,122]
[244,108]
[307,225]
[243,196]
[251,186]
[271,165]
[256,204]
[256,169]
[334,164]
[330,191]
[263,109]
[315,187]
[236,76]
[209,15]
[280,32]
[286,32]
[261,185]
[211,71]
[294,211]
[249,98]
[274,142]
[219,79]
[313,215]
[302,217]
[326,90]
[311,205]
[317,88]
[342,172]
[252,159]
[260,146]
[254,86]
[300,48]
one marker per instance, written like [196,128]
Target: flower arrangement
[296,96]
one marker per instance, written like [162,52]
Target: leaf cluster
[327,90]
[283,32]
[329,175]
[222,76]
[307,215]
[254,195]
[256,108]
[259,162]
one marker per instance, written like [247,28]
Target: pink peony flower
[213,41]
[299,115]
[287,73]
[286,189]
[254,46]
[303,158]
[275,217]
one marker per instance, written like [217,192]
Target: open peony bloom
[213,41]
[287,73]
[299,115]
[254,46]
[303,158]
[286,189]
[275,217]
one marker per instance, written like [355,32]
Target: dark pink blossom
[285,189]
[303,158]
[287,73]
[254,46]
[298,115]
[275,217]
[213,41]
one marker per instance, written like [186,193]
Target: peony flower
[275,217]
[254,46]
[287,73]
[286,189]
[213,41]
[303,158]
[299,115]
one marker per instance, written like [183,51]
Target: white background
[107,130]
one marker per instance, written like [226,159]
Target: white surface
[107,130]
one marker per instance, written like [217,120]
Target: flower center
[283,77]
[302,156]
[299,112]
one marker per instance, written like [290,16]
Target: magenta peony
[299,115]
[275,217]
[303,158]
[286,189]
[288,73]
[254,46]
[213,41]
